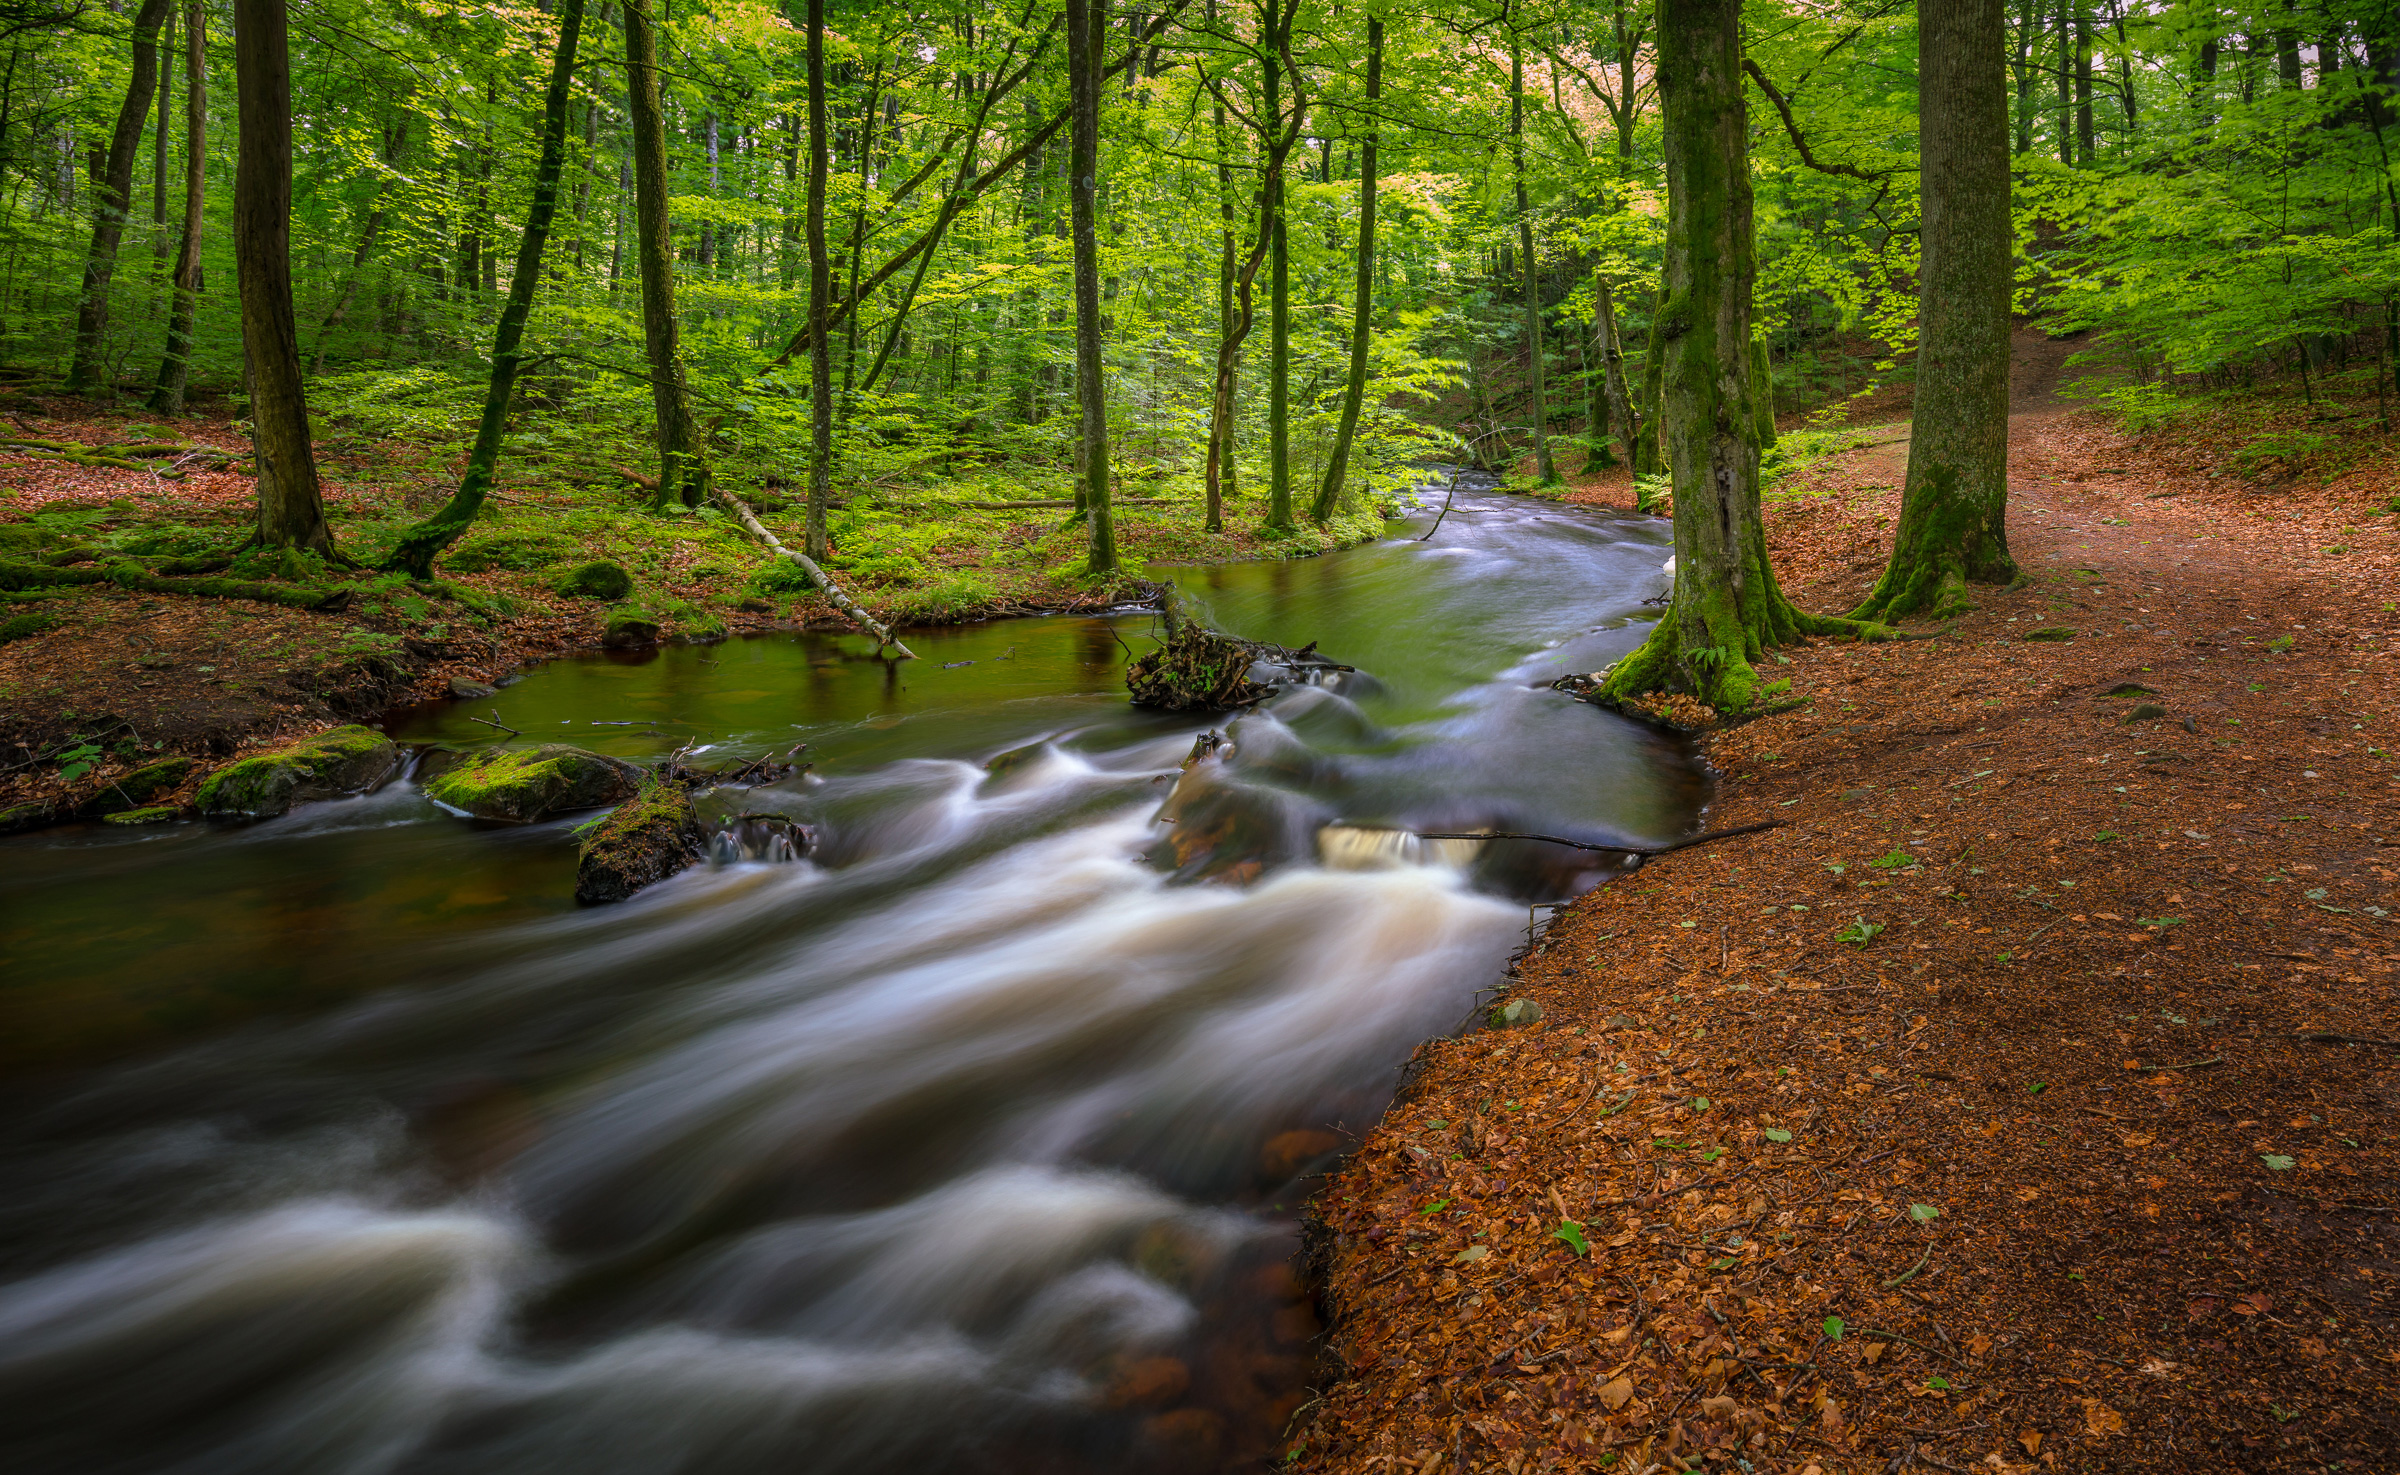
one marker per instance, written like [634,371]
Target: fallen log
[14,575]
[843,602]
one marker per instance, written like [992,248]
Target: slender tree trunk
[1362,313]
[1218,477]
[1279,288]
[1087,30]
[1620,420]
[820,296]
[112,200]
[394,144]
[175,370]
[291,509]
[1762,386]
[1953,526]
[1647,455]
[2084,150]
[1726,610]
[2029,25]
[420,545]
[162,137]
[1544,466]
[2066,82]
[683,471]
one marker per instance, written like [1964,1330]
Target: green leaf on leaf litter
[1776,1134]
[1572,1233]
[1924,1213]
[2276,1161]
[1833,1327]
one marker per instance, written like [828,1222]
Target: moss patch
[522,785]
[639,843]
[155,815]
[346,760]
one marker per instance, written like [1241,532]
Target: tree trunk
[2029,25]
[1621,422]
[683,472]
[1362,313]
[1544,466]
[1279,293]
[2084,150]
[420,545]
[1762,385]
[395,142]
[1953,525]
[1217,477]
[291,509]
[1646,453]
[820,297]
[1087,30]
[1726,609]
[2066,82]
[175,370]
[159,140]
[112,200]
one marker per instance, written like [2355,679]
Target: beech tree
[112,200]
[175,369]
[1953,525]
[1087,28]
[682,469]
[291,505]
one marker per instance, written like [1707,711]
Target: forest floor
[97,680]
[2027,1099]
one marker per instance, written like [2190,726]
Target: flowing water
[347,1142]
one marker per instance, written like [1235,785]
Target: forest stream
[972,1139]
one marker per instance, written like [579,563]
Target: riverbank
[98,680]
[2024,1100]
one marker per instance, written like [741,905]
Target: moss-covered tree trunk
[1087,30]
[1362,312]
[1546,468]
[1762,389]
[417,548]
[1727,609]
[175,368]
[682,471]
[1953,527]
[291,505]
[112,201]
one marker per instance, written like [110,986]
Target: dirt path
[2008,1107]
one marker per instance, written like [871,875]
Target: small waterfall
[1364,848]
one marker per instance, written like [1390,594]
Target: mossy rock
[522,785]
[140,786]
[2049,632]
[630,627]
[639,843]
[26,817]
[347,760]
[522,551]
[599,579]
[1515,1014]
[158,814]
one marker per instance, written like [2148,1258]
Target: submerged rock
[135,789]
[347,760]
[639,843]
[460,686]
[522,785]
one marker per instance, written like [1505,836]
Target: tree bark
[112,200]
[683,471]
[2084,150]
[291,508]
[417,548]
[1362,313]
[1087,29]
[1953,526]
[1620,420]
[175,369]
[1217,476]
[820,296]
[1762,387]
[159,143]
[1727,609]
[1544,466]
[2029,25]
[1646,452]
[1279,282]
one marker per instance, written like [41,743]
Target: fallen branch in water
[843,602]
[1772,824]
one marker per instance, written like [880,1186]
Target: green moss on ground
[155,815]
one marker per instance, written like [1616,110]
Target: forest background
[578,255]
